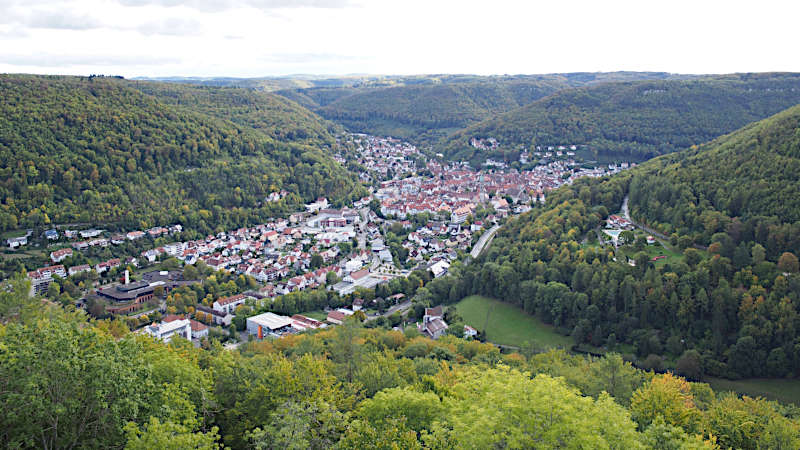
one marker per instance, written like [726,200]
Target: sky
[255,38]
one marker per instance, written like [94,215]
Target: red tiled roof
[232,299]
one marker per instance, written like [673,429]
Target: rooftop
[271,321]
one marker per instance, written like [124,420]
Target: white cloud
[71,60]
[221,5]
[274,37]
[61,20]
[173,26]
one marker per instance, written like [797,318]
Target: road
[664,239]
[484,240]
[626,214]
[398,307]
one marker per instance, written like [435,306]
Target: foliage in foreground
[66,382]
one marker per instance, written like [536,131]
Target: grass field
[652,251]
[507,324]
[782,390]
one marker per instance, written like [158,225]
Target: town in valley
[422,214]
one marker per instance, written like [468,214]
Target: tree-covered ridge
[637,120]
[745,184]
[439,106]
[729,311]
[97,150]
[67,382]
[426,108]
[273,115]
[430,110]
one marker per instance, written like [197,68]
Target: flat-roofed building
[165,331]
[268,324]
[42,277]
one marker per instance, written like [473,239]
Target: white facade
[165,331]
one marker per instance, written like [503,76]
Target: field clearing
[780,389]
[654,250]
[507,324]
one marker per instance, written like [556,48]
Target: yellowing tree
[668,397]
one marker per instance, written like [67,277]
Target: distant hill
[426,108]
[747,181]
[429,111]
[636,120]
[102,150]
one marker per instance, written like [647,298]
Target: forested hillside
[67,382]
[428,111]
[731,310]
[744,184]
[270,114]
[636,120]
[426,108]
[98,150]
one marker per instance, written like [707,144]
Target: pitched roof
[437,311]
[231,299]
[435,326]
[337,315]
[197,326]
[359,274]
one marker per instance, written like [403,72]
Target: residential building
[42,277]
[79,269]
[17,242]
[433,324]
[166,331]
[60,255]
[439,268]
[229,304]
[217,317]
[199,330]
[469,332]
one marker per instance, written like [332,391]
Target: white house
[199,330]
[460,215]
[17,242]
[321,203]
[440,268]
[470,332]
[229,304]
[60,255]
[165,331]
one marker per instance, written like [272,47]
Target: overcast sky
[249,38]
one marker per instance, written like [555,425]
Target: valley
[350,253]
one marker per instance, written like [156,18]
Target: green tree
[788,263]
[392,435]
[300,425]
[417,408]
[615,376]
[67,384]
[505,408]
[168,436]
[690,365]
